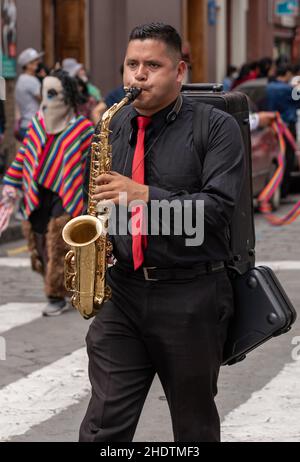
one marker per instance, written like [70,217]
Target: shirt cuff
[254,121]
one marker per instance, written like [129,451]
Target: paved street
[44,388]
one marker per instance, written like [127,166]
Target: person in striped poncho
[48,170]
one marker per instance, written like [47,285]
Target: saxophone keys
[107,293]
[109,249]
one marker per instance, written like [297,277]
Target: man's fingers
[106,196]
[106,178]
[108,187]
[101,189]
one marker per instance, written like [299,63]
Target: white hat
[71,66]
[28,55]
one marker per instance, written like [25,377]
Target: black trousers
[175,329]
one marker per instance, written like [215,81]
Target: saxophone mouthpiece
[132,93]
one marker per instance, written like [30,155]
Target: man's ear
[181,71]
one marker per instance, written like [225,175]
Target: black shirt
[173,171]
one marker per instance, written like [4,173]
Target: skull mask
[56,112]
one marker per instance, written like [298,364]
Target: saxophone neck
[131,95]
[101,150]
[109,114]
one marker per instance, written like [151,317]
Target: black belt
[168,274]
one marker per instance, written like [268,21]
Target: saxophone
[86,262]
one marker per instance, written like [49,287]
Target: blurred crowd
[272,87]
[277,79]
[28,92]
[29,88]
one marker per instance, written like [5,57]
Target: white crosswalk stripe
[281,265]
[271,414]
[17,314]
[43,394]
[15,262]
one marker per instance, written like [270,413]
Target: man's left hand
[110,185]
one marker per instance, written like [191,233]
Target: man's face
[157,70]
[33,65]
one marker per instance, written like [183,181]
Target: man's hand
[9,194]
[7,206]
[110,185]
[266,118]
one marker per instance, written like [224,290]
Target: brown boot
[56,251]
[36,246]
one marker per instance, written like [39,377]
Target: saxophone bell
[83,230]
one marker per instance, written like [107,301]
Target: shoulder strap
[202,113]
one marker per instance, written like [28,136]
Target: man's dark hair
[283,70]
[265,65]
[231,70]
[296,69]
[158,31]
[70,87]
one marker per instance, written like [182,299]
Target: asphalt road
[44,389]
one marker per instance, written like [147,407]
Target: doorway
[195,28]
[64,30]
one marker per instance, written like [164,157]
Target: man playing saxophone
[171,302]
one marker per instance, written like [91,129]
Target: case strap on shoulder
[201,121]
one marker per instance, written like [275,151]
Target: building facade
[96,31]
[219,33]
[272,29]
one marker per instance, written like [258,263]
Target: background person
[90,95]
[261,119]
[280,99]
[28,90]
[48,171]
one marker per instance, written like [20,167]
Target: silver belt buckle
[146,274]
[217,267]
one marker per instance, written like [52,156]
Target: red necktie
[139,241]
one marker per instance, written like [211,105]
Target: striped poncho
[54,161]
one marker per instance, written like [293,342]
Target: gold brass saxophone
[86,262]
